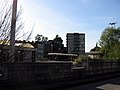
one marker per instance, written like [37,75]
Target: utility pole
[113,24]
[12,32]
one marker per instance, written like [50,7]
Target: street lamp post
[12,32]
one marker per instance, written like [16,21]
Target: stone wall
[56,71]
[101,66]
[37,71]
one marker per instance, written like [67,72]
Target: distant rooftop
[77,33]
[62,54]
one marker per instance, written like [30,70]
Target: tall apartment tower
[76,43]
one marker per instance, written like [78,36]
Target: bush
[80,59]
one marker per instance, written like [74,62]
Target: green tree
[40,38]
[110,43]
[81,58]
[57,45]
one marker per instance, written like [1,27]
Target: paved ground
[111,84]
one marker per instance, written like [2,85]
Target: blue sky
[52,17]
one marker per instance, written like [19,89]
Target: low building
[61,57]
[39,51]
[95,53]
[23,53]
[50,46]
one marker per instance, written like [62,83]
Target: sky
[59,17]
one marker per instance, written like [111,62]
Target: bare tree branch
[5,23]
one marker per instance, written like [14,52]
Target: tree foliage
[81,58]
[40,38]
[110,43]
[57,44]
